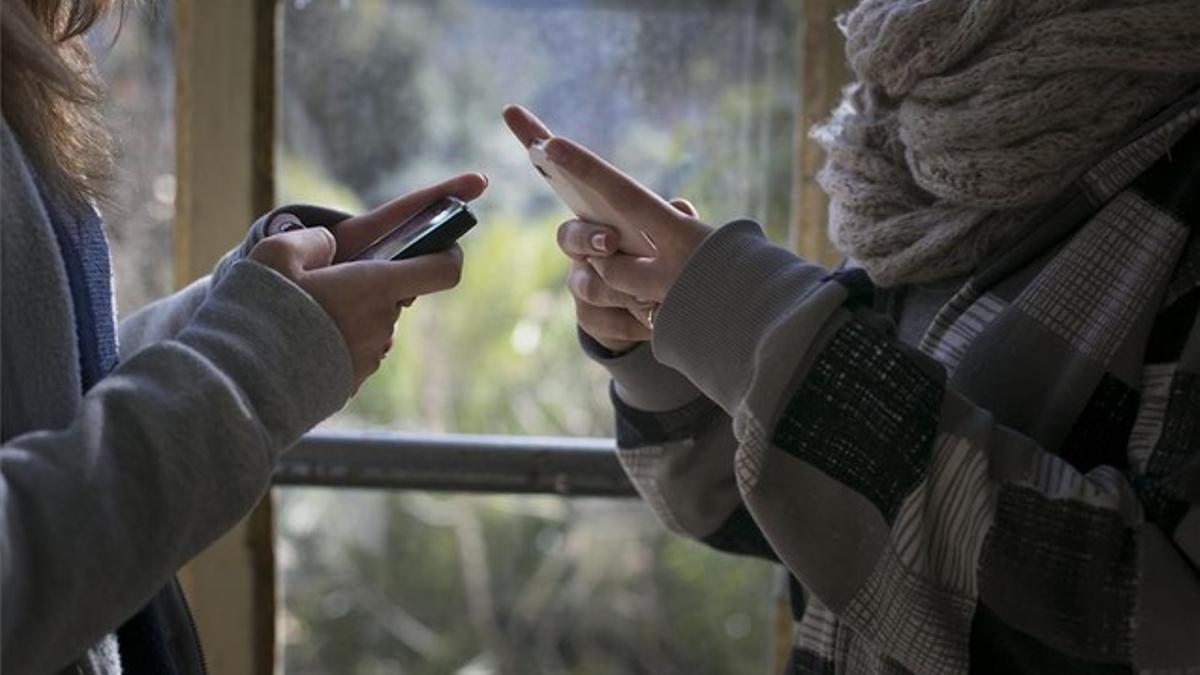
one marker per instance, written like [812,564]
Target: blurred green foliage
[379,96]
[431,585]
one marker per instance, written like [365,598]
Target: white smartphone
[588,205]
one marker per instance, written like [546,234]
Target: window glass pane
[416,583]
[378,96]
[139,69]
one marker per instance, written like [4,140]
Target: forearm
[162,319]
[166,318]
[900,503]
[164,455]
[677,447]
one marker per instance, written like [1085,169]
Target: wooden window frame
[226,79]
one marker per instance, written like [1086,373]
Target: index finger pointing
[525,125]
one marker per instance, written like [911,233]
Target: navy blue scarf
[143,639]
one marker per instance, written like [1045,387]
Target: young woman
[118,466]
[976,445]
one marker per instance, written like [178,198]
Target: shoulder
[19,198]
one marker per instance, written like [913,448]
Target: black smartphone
[435,228]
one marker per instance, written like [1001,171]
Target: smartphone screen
[413,230]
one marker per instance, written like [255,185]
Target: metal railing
[574,467]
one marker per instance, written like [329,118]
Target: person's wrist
[639,380]
[690,237]
[736,285]
[610,349]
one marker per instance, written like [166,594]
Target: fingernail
[600,242]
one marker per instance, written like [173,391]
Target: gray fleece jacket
[104,496]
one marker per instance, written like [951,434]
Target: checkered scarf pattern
[1018,494]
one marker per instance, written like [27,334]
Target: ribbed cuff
[279,346]
[305,214]
[639,380]
[735,286]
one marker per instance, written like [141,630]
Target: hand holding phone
[616,292]
[364,301]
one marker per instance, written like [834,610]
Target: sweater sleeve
[904,507]
[165,454]
[677,447]
[166,317]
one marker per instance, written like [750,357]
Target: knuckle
[452,273]
[596,321]
[569,237]
[586,315]
[275,253]
[576,278]
[327,241]
[593,288]
[562,234]
[270,249]
[619,326]
[601,268]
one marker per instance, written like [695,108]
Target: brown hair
[51,92]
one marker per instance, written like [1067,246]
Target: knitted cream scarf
[969,114]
